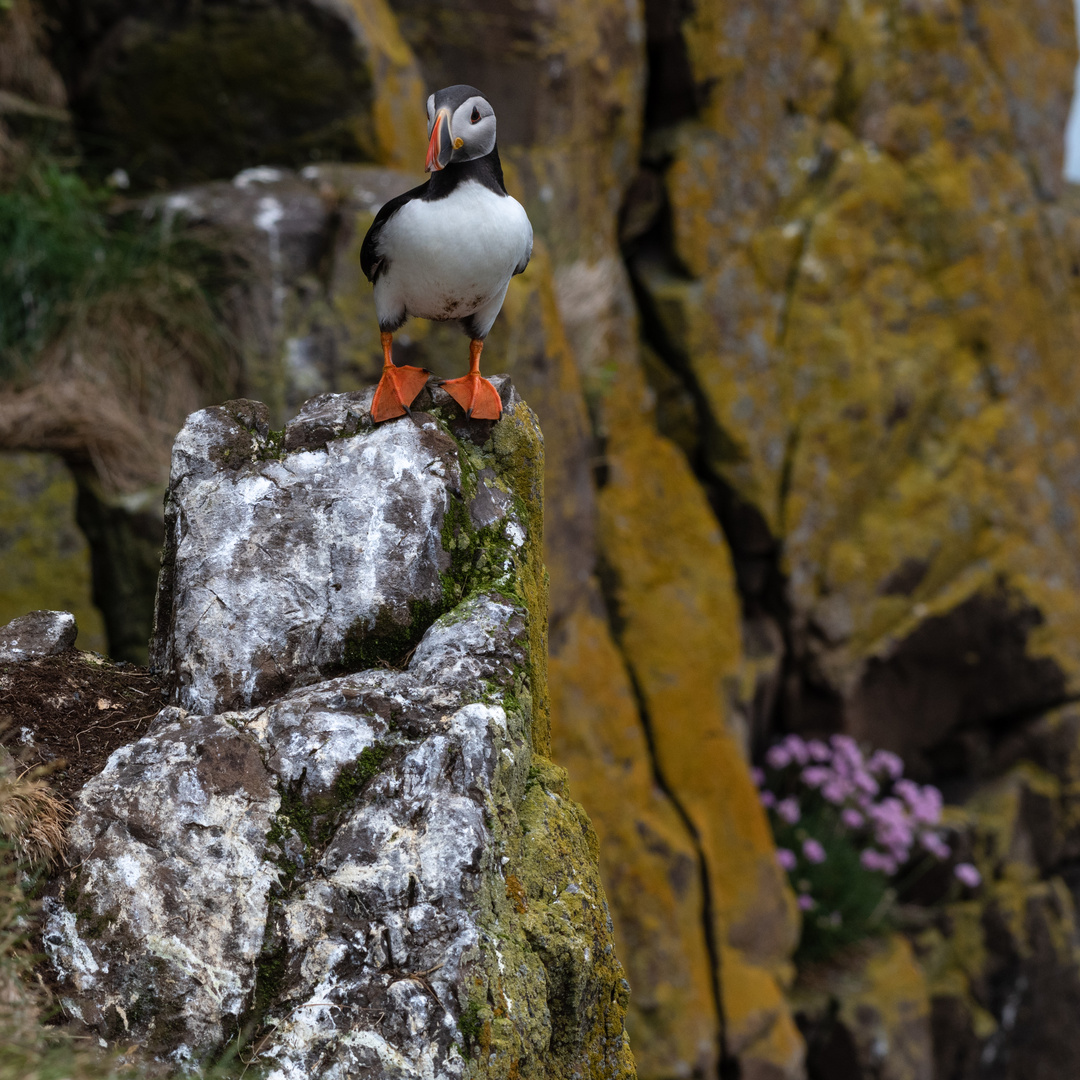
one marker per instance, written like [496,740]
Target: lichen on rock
[349,870]
[44,561]
[328,546]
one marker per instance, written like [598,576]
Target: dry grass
[127,364]
[29,85]
[79,419]
[32,819]
[113,389]
[24,69]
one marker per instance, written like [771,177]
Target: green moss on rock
[44,557]
[351,779]
[230,87]
[547,996]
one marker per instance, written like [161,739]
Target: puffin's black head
[461,126]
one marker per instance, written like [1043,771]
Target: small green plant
[471,1024]
[353,777]
[69,264]
[846,827]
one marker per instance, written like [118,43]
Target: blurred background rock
[801,329]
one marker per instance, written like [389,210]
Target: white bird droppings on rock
[348,866]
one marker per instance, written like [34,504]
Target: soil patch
[71,711]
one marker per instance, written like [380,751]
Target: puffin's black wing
[371,262]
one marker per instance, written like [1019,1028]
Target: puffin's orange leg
[397,388]
[473,392]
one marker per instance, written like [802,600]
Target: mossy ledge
[372,841]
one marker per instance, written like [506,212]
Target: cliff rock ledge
[341,842]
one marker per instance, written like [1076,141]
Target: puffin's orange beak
[441,144]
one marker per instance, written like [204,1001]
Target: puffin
[447,250]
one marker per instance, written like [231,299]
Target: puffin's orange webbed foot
[397,388]
[473,392]
[396,391]
[476,396]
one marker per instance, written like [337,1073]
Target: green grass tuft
[63,250]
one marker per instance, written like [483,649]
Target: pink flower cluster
[893,814]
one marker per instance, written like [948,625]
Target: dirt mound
[72,711]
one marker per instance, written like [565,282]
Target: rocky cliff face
[344,844]
[800,329]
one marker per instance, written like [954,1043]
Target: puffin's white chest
[449,257]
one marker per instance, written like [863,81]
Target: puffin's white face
[460,132]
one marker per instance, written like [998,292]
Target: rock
[868,1014]
[649,858]
[37,635]
[671,587]
[280,228]
[44,559]
[867,345]
[271,577]
[378,870]
[1002,960]
[1005,979]
[200,93]
[174,827]
[124,534]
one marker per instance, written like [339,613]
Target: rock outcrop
[37,635]
[344,844]
[876,321]
[868,1014]
[199,92]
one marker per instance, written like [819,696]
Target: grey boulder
[348,868]
[292,555]
[37,635]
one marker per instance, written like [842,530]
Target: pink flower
[818,750]
[816,775]
[813,851]
[877,860]
[778,757]
[837,791]
[968,875]
[885,763]
[806,903]
[924,802]
[892,828]
[865,782]
[908,790]
[846,749]
[852,818]
[797,748]
[933,843]
[757,776]
[786,858]
[788,809]
[927,808]
[768,798]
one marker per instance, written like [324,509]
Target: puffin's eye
[475,118]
